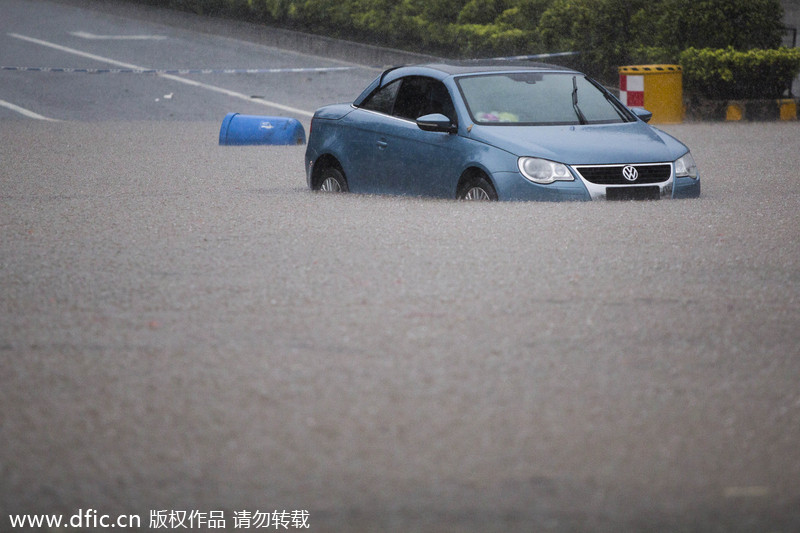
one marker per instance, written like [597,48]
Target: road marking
[121,64]
[181,71]
[92,36]
[26,112]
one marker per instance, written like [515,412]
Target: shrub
[650,55]
[681,24]
[728,74]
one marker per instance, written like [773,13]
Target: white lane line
[213,88]
[92,36]
[26,112]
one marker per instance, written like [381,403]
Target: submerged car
[494,131]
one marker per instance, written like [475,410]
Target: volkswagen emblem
[630,173]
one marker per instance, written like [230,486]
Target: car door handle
[382,144]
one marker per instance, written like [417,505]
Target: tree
[681,24]
[600,29]
[610,33]
[481,11]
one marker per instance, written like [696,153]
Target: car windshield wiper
[581,117]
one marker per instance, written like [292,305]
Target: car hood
[598,144]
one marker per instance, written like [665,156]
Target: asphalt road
[127,38]
[185,327]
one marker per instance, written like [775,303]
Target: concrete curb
[742,110]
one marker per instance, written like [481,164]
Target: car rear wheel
[332,180]
[477,188]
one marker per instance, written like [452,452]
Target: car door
[366,139]
[401,158]
[414,161]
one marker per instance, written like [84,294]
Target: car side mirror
[642,113]
[436,122]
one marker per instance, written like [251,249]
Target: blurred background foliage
[607,33]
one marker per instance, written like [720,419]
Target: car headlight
[543,171]
[685,167]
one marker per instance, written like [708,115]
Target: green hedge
[728,74]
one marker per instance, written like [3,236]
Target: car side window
[383,99]
[419,96]
[412,97]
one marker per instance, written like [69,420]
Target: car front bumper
[686,188]
[513,186]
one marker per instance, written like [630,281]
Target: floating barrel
[240,130]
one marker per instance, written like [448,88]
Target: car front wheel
[332,180]
[477,188]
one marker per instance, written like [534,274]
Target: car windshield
[527,98]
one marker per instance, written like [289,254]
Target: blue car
[494,131]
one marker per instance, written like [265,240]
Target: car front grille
[613,174]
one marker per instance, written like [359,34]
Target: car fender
[501,167]
[484,157]
[481,157]
[323,136]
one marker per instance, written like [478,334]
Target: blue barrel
[240,130]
